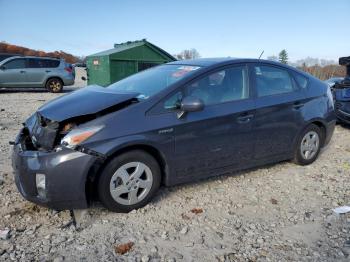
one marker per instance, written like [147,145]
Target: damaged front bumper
[342,111]
[341,95]
[65,171]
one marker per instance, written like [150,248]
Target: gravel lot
[276,213]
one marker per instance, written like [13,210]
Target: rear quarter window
[301,80]
[48,63]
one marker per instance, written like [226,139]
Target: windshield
[153,80]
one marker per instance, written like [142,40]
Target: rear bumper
[68,81]
[65,173]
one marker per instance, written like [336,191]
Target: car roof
[205,62]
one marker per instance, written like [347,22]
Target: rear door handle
[47,71]
[22,71]
[244,118]
[298,105]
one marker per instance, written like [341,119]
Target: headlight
[79,135]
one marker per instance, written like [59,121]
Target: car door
[278,117]
[36,71]
[220,135]
[13,73]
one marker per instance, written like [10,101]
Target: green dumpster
[124,59]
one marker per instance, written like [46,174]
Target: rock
[184,230]
[2,128]
[2,181]
[260,241]
[221,235]
[177,255]
[164,235]
[145,258]
[5,234]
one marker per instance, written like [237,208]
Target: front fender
[163,145]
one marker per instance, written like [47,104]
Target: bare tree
[188,54]
[272,58]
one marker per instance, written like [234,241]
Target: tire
[117,189]
[311,140]
[54,85]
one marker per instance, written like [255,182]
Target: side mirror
[190,104]
[83,78]
[2,67]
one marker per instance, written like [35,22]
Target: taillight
[68,69]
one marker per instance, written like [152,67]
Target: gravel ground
[281,212]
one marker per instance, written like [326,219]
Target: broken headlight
[79,135]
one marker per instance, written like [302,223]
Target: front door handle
[22,71]
[244,118]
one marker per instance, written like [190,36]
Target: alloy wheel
[310,145]
[131,183]
[55,85]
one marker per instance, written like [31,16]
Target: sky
[217,28]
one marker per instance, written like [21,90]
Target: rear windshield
[153,80]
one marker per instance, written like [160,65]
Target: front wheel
[129,181]
[309,145]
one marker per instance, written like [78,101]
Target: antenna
[261,54]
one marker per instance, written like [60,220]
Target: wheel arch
[95,171]
[322,126]
[318,122]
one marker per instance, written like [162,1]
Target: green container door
[121,69]
[98,70]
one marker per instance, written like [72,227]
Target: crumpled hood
[85,101]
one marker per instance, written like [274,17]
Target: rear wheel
[129,181]
[309,145]
[54,85]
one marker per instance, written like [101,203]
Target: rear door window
[34,63]
[272,80]
[16,64]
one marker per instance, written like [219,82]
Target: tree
[188,54]
[283,57]
[272,58]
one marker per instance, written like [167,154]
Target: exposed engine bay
[45,129]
